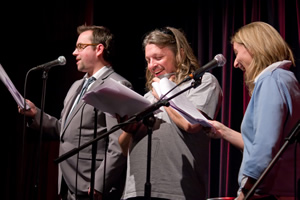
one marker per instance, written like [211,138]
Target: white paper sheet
[180,103]
[113,97]
[12,89]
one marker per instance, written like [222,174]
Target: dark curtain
[35,33]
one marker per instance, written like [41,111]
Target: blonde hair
[185,60]
[265,45]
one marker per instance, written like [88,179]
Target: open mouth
[157,70]
[166,75]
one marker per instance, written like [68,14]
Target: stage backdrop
[35,33]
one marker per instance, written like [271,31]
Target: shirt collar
[285,64]
[98,73]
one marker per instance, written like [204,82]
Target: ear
[99,49]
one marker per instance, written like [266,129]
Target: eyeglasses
[81,46]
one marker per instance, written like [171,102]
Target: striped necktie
[85,87]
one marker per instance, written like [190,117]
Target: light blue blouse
[273,111]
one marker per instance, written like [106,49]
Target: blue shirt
[273,111]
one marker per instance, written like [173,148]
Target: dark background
[33,33]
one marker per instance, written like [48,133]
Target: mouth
[77,60]
[158,71]
[241,67]
[166,75]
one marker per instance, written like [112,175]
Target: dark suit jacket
[78,130]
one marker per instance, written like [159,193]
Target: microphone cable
[104,168]
[296,186]
[23,136]
[77,159]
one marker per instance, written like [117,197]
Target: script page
[12,89]
[180,103]
[113,97]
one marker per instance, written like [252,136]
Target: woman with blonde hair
[271,114]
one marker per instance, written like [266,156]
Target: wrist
[245,190]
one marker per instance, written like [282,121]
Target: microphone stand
[294,136]
[94,152]
[148,119]
[149,122]
[44,77]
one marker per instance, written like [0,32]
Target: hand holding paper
[112,97]
[180,103]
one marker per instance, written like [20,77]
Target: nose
[151,64]
[236,63]
[75,52]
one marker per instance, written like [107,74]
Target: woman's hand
[219,130]
[216,131]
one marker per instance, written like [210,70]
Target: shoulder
[209,77]
[277,76]
[208,83]
[121,79]
[76,84]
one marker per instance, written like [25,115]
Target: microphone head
[221,60]
[62,60]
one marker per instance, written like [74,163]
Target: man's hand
[29,113]
[97,195]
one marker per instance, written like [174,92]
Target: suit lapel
[69,103]
[73,96]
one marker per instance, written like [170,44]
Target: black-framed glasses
[81,46]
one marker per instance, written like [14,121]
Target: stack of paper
[180,103]
[112,97]
[12,89]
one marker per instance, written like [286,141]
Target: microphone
[61,60]
[219,60]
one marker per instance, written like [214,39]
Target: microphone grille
[221,60]
[62,60]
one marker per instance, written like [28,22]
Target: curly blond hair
[174,39]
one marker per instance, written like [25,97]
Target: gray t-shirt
[179,160]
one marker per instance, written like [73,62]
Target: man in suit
[75,127]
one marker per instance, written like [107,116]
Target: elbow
[124,149]
[124,142]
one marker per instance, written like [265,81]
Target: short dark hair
[101,35]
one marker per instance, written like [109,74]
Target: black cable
[76,177]
[295,171]
[38,152]
[104,168]
[24,132]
